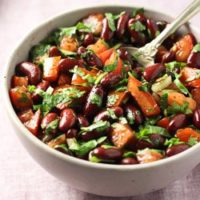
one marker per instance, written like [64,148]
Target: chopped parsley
[50,101]
[95,99]
[138,26]
[51,126]
[164,101]
[111,21]
[172,142]
[145,87]
[98,126]
[31,88]
[192,141]
[129,154]
[171,66]
[111,113]
[196,48]
[112,99]
[111,67]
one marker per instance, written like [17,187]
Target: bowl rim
[74,160]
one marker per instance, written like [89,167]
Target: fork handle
[186,15]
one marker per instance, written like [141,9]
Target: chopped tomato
[180,99]
[145,100]
[116,98]
[183,48]
[106,54]
[99,47]
[122,135]
[34,123]
[21,98]
[50,69]
[194,83]
[189,74]
[25,115]
[19,81]
[64,79]
[69,44]
[164,122]
[186,133]
[196,95]
[148,155]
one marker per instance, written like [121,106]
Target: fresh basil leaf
[137,11]
[196,48]
[111,21]
[138,26]
[172,142]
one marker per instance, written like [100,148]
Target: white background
[21,178]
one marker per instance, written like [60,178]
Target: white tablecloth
[21,178]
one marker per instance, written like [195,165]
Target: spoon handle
[186,15]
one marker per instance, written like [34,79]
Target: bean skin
[93,60]
[31,70]
[66,64]
[177,122]
[71,133]
[153,71]
[107,154]
[121,25]
[82,121]
[54,51]
[91,108]
[194,59]
[88,39]
[129,161]
[67,120]
[111,79]
[106,33]
[173,150]
[105,115]
[196,118]
[47,119]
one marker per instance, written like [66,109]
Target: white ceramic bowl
[100,179]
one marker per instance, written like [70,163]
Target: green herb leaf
[83,27]
[172,142]
[111,21]
[112,99]
[67,53]
[38,53]
[164,101]
[130,117]
[98,126]
[69,31]
[51,126]
[137,11]
[196,48]
[111,113]
[192,141]
[52,100]
[180,85]
[129,154]
[176,108]
[145,87]
[147,130]
[171,66]
[31,88]
[138,26]
[95,99]
[111,67]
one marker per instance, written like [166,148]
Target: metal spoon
[145,55]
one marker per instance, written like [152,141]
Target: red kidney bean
[173,150]
[88,39]
[194,59]
[91,108]
[82,121]
[132,111]
[137,38]
[129,161]
[64,79]
[105,115]
[122,24]
[47,119]
[91,135]
[196,118]
[106,33]
[111,79]
[54,51]
[161,25]
[177,122]
[138,70]
[142,144]
[108,154]
[71,133]
[67,120]
[153,71]
[31,70]
[42,86]
[157,140]
[168,57]
[81,50]
[93,60]
[124,55]
[153,28]
[141,17]
[66,64]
